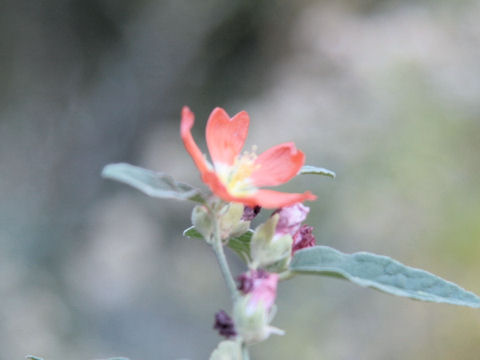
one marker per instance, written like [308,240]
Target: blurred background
[385,93]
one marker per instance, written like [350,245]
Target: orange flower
[236,177]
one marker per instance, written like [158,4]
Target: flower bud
[202,221]
[291,218]
[290,222]
[231,223]
[254,311]
[227,350]
[261,284]
[267,247]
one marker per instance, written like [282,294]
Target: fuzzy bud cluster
[275,241]
[233,219]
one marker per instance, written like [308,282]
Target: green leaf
[382,273]
[315,170]
[239,244]
[154,184]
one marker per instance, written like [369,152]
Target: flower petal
[268,199]
[185,132]
[225,136]
[277,165]
[271,199]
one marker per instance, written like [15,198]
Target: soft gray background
[386,93]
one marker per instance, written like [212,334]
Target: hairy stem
[217,247]
[222,260]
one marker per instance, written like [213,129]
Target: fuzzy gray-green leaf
[382,273]
[154,184]
[315,170]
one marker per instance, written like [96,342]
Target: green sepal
[154,184]
[251,324]
[227,350]
[381,273]
[241,245]
[191,232]
[315,170]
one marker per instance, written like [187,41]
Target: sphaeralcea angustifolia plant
[278,249]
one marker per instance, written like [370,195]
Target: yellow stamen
[237,177]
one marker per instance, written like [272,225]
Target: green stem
[227,275]
[222,260]
[217,247]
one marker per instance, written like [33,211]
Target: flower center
[237,177]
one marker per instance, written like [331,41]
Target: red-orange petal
[271,199]
[268,199]
[277,165]
[188,118]
[225,137]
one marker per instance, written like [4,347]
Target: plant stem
[217,247]
[222,261]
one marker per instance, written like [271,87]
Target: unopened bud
[261,284]
[254,311]
[250,279]
[291,218]
[267,247]
[231,223]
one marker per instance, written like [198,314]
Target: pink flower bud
[291,218]
[262,287]
[253,311]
